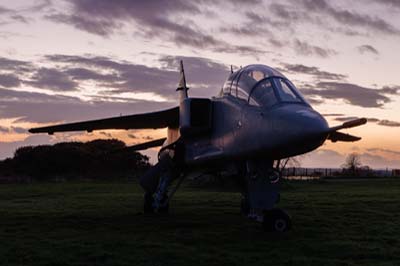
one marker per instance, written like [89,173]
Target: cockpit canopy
[261,85]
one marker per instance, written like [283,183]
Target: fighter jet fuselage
[258,118]
[281,131]
[259,113]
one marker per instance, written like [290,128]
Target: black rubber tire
[276,220]
[148,203]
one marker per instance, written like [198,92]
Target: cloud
[4,10]
[12,129]
[205,76]
[24,14]
[315,72]
[348,18]
[388,3]
[100,27]
[108,135]
[389,123]
[393,90]
[288,14]
[8,148]
[327,115]
[44,108]
[255,26]
[351,93]
[52,79]
[19,130]
[367,49]
[4,129]
[39,6]
[128,78]
[9,80]
[345,118]
[19,15]
[150,19]
[14,65]
[132,136]
[201,72]
[303,48]
[83,74]
[377,161]
[10,16]
[112,78]
[103,17]
[324,158]
[384,150]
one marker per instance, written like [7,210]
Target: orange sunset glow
[70,60]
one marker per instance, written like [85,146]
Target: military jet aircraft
[258,118]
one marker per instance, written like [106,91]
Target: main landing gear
[261,195]
[156,183]
[151,205]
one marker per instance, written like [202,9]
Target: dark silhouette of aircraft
[258,118]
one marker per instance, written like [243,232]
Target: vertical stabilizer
[182,88]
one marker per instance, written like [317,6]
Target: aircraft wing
[160,119]
[147,145]
[339,136]
[335,135]
[349,124]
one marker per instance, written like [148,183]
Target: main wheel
[148,203]
[276,220]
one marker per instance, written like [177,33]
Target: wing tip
[40,130]
[339,136]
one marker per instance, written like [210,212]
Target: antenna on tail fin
[182,88]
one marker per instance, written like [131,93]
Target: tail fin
[182,88]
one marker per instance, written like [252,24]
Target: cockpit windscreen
[261,85]
[286,91]
[271,91]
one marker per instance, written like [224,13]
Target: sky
[72,60]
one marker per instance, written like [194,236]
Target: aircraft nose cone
[308,131]
[311,123]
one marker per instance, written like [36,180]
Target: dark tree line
[105,159]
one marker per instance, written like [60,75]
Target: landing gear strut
[149,205]
[261,196]
[156,183]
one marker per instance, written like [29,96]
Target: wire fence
[301,173]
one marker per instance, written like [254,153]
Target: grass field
[334,223]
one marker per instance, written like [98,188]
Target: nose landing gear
[261,195]
[276,220]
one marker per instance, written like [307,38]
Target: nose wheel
[276,220]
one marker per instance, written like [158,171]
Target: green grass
[334,223]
